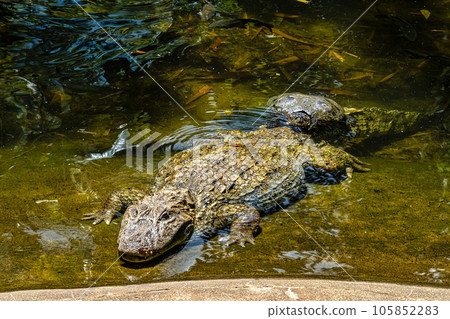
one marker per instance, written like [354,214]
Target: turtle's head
[303,112]
[156,224]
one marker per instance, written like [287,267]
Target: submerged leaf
[425,13]
[205,89]
[337,56]
[287,60]
[138,52]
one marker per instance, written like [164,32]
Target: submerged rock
[50,240]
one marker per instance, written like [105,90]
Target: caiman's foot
[354,164]
[116,203]
[244,226]
[241,237]
[333,160]
[100,215]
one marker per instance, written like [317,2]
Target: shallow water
[390,224]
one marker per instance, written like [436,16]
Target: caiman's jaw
[154,226]
[146,254]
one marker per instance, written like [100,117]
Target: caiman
[230,181]
[324,118]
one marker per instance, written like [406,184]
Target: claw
[349,172]
[361,168]
[100,215]
[356,164]
[109,215]
[90,216]
[241,239]
[358,161]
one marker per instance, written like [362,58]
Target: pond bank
[241,289]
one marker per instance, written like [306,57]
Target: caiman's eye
[164,216]
[133,211]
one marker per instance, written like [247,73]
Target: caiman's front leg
[330,159]
[116,202]
[244,220]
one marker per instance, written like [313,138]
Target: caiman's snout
[135,258]
[155,225]
[142,255]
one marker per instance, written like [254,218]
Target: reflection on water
[184,137]
[60,40]
[314,263]
[70,96]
